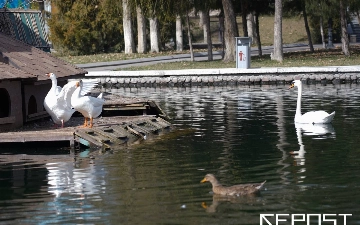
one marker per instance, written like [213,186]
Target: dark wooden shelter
[23,83]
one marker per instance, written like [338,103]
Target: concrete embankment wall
[233,76]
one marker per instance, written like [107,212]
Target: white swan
[90,107]
[312,116]
[58,101]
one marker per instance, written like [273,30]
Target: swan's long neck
[53,84]
[77,92]
[298,103]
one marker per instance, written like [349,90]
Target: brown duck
[236,190]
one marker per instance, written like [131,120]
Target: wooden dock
[107,132]
[123,121]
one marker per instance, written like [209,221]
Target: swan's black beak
[292,85]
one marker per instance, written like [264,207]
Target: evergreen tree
[87,27]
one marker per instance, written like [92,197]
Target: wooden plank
[124,109]
[84,135]
[135,132]
[92,132]
[36,136]
[147,127]
[155,124]
[158,109]
[110,135]
[122,133]
[162,122]
[139,128]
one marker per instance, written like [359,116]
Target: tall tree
[189,36]
[299,7]
[154,34]
[127,26]
[344,34]
[258,39]
[141,29]
[308,33]
[251,26]
[322,33]
[244,12]
[278,54]
[204,7]
[179,34]
[258,7]
[179,8]
[206,18]
[231,30]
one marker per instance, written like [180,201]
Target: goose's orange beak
[292,85]
[203,180]
[77,84]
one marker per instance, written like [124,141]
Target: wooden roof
[8,72]
[36,62]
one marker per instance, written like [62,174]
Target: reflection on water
[240,134]
[74,190]
[318,131]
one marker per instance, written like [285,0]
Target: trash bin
[243,54]
[353,38]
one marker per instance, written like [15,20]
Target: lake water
[241,134]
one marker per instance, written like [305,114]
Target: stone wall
[222,77]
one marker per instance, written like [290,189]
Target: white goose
[58,101]
[90,107]
[312,116]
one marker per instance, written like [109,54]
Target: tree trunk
[230,31]
[141,29]
[243,17]
[189,37]
[322,32]
[330,39]
[278,48]
[344,34]
[179,34]
[307,26]
[221,34]
[206,18]
[251,26]
[201,18]
[258,33]
[154,34]
[127,26]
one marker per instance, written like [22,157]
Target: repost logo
[296,219]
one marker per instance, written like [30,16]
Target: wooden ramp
[107,132]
